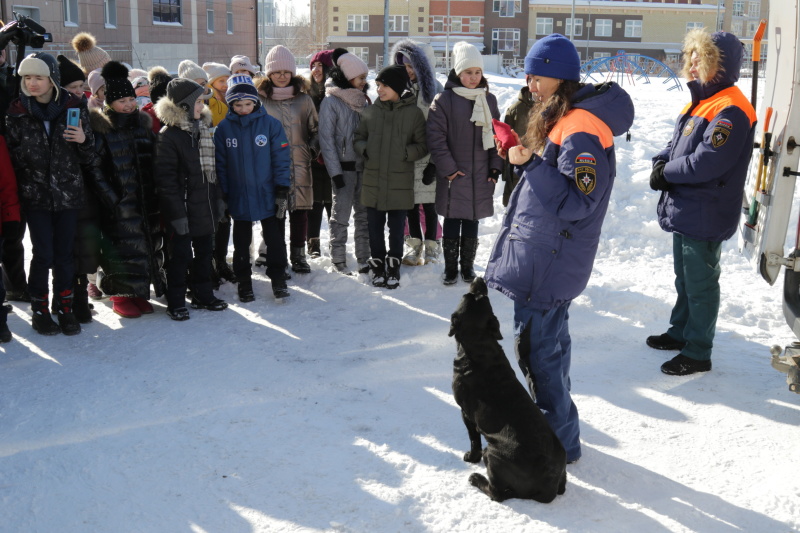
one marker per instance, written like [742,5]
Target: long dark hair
[317,90]
[545,115]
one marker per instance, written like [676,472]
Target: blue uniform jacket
[708,156]
[545,250]
[252,155]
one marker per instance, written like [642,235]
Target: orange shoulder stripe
[581,121]
[732,96]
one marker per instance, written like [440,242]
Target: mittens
[338,181]
[281,200]
[181,226]
[504,134]
[429,174]
[657,180]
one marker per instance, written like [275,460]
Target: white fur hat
[466,56]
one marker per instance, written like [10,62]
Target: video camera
[24,32]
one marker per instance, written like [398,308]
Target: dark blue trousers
[544,353]
[377,222]
[53,237]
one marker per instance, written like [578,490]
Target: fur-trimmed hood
[103,123]
[421,57]
[721,55]
[171,114]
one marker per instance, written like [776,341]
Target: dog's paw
[477,480]
[472,456]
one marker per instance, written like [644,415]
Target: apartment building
[145,33]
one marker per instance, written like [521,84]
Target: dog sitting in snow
[523,457]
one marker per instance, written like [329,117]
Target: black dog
[523,457]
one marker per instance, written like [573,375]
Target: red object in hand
[504,134]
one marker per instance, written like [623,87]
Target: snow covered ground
[334,411]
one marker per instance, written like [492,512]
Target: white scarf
[481,114]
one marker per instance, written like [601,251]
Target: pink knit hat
[96,81]
[278,59]
[352,66]
[242,63]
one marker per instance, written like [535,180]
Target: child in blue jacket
[253,163]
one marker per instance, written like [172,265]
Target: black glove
[338,181]
[429,174]
[281,200]
[11,229]
[657,180]
[494,175]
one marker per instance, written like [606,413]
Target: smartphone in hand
[73,116]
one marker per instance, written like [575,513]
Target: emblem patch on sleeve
[724,123]
[687,130]
[719,137]
[585,179]
[585,158]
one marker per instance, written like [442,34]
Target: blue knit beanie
[554,56]
[240,87]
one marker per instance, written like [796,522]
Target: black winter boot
[67,320]
[392,272]
[469,247]
[246,290]
[298,260]
[279,287]
[450,249]
[313,248]
[81,307]
[378,270]
[42,319]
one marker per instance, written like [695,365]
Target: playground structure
[631,67]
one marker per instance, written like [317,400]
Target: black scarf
[47,113]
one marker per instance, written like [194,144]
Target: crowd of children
[154,173]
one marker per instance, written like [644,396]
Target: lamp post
[447,40]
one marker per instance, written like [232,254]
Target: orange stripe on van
[581,121]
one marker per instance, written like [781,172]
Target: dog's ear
[453,325]
[494,327]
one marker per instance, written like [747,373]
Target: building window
[505,40]
[598,55]
[602,28]
[507,8]
[167,11]
[738,8]
[360,51]
[694,26]
[110,12]
[70,12]
[230,22]
[577,29]
[438,24]
[475,24]
[754,9]
[544,26]
[736,27]
[398,23]
[456,24]
[357,22]
[633,28]
[210,20]
[752,28]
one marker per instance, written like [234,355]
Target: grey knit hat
[184,92]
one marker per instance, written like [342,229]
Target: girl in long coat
[460,140]
[132,245]
[284,99]
[321,64]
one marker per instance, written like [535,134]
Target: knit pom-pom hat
[91,56]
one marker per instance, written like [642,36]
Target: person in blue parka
[545,250]
[701,174]
[252,154]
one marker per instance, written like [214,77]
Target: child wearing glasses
[283,94]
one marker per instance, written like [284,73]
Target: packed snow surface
[334,412]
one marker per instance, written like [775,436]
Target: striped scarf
[200,132]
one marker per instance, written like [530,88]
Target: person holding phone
[544,252]
[49,139]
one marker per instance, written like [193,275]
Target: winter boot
[214,304]
[5,333]
[42,319]
[280,290]
[18,296]
[392,272]
[413,256]
[432,250]
[298,260]
[245,289]
[224,271]
[341,268]
[179,313]
[125,307]
[469,247]
[450,249]
[94,292]
[314,248]
[144,306]
[81,306]
[378,272]
[63,304]
[363,266]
